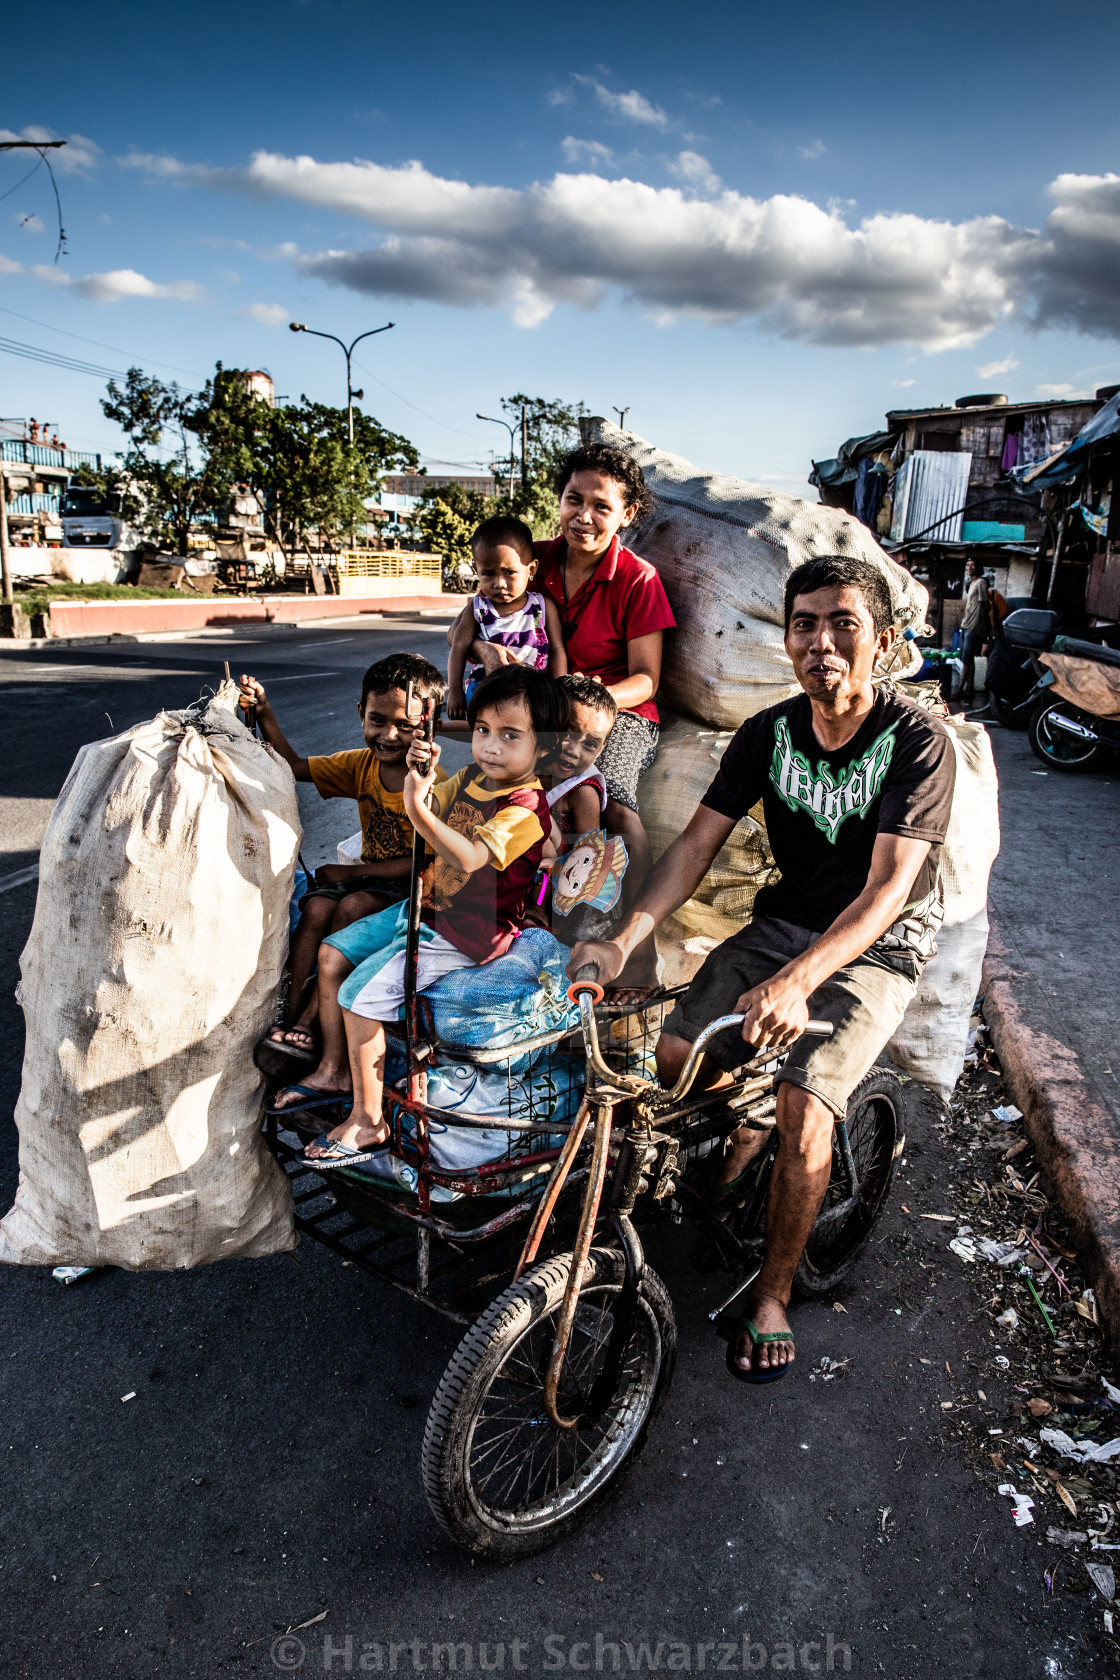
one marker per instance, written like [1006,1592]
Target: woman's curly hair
[612,463]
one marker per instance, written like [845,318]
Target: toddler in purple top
[506,622]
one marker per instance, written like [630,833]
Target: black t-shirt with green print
[824,810]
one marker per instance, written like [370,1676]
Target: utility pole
[524,448]
[622,413]
[5,568]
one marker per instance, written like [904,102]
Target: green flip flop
[759,1338]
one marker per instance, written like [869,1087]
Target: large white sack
[931,1041]
[724,548]
[159,937]
[687,760]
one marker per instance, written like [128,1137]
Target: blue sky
[757,227]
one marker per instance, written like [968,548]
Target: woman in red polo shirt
[612,604]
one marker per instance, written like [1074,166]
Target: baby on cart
[487,826]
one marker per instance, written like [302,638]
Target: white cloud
[9,266]
[29,224]
[159,164]
[903,384]
[117,284]
[268,314]
[814,149]
[628,107]
[591,152]
[992,370]
[78,153]
[804,271]
[1059,391]
[695,171]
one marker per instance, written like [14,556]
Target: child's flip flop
[315,1099]
[339,1154]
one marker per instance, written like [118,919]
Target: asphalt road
[267,1470]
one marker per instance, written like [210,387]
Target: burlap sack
[687,760]
[932,1039]
[159,937]
[724,549]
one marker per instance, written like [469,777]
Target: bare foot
[359,1131]
[769,1315]
[297,1037]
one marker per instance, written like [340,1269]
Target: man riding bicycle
[856,786]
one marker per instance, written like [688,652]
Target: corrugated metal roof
[930,494]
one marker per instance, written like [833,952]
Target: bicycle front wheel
[501,1479]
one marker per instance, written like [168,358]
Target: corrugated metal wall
[932,486]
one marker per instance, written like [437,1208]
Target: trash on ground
[1066,1537]
[1007,1114]
[1084,1452]
[1102,1578]
[965,1247]
[1023,1504]
[1008,1319]
[71,1274]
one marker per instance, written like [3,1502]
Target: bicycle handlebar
[586,983]
[812,1029]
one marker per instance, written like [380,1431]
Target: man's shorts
[865,1001]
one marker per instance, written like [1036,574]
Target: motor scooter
[1071,731]
[1016,679]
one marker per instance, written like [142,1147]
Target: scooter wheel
[1059,746]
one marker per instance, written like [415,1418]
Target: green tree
[174,480]
[187,451]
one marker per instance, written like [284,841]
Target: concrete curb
[1076,1139]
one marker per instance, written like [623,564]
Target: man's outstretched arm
[671,881]
[776,1012]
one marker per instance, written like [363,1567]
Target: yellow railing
[387,563]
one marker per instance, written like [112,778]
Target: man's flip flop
[340,1154]
[316,1099]
[759,1338]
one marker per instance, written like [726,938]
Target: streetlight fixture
[512,457]
[347,351]
[622,413]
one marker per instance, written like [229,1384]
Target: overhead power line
[52,358]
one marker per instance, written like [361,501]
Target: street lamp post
[512,455]
[622,413]
[347,351]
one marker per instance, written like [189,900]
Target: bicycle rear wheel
[875,1132]
[501,1479]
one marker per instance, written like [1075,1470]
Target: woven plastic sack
[931,1041]
[723,549]
[160,933]
[687,760]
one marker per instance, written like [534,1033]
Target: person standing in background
[975,627]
